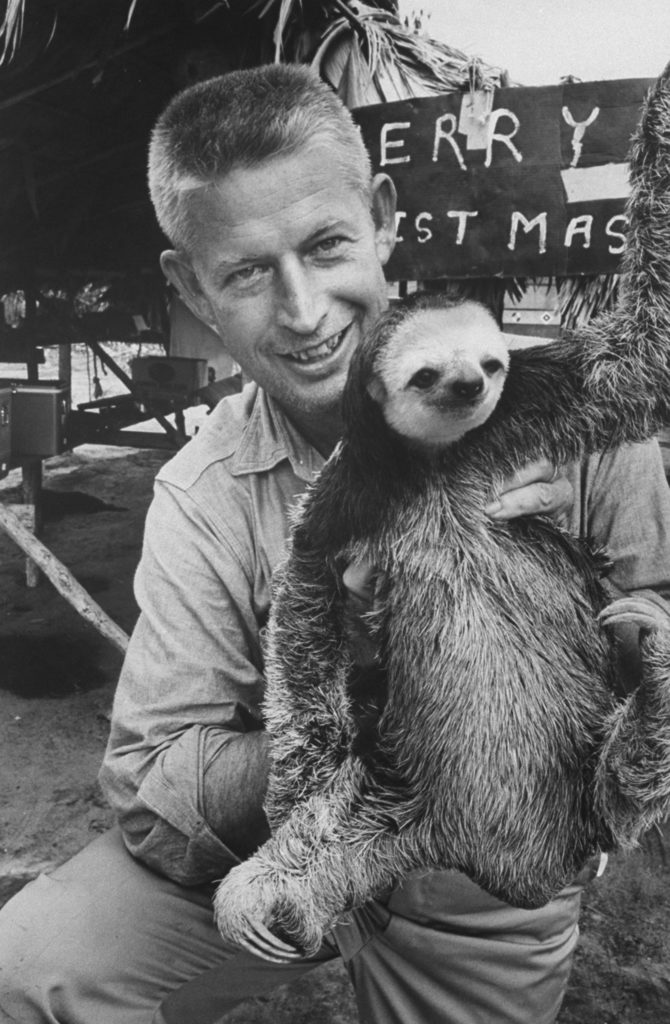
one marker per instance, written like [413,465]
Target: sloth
[488,734]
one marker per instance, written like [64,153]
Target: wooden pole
[65,364]
[62,579]
[31,486]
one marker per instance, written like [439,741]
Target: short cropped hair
[240,120]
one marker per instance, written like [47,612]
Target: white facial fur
[461,359]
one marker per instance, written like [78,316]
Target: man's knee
[37,961]
[100,939]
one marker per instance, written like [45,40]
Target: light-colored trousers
[103,940]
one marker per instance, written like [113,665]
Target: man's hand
[537,489]
[645,609]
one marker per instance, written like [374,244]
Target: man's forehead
[312,168]
[252,209]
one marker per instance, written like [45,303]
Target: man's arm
[622,504]
[186,764]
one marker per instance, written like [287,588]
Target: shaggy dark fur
[489,738]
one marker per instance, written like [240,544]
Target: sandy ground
[56,686]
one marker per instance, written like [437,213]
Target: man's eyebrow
[334,225]
[224,264]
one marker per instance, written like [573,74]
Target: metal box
[39,418]
[5,429]
[168,378]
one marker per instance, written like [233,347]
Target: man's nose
[301,304]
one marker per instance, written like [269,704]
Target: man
[262,184]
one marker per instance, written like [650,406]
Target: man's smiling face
[288,270]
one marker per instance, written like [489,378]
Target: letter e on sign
[387,144]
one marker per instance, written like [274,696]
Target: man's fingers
[540,471]
[640,611]
[537,498]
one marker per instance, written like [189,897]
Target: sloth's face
[441,374]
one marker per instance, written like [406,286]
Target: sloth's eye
[491,366]
[424,378]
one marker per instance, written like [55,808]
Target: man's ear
[181,275]
[383,213]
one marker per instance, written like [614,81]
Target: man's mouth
[317,352]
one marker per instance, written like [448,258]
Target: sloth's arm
[330,856]
[633,773]
[609,383]
[307,705]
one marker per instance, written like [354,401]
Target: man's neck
[322,430]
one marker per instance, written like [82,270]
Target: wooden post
[31,472]
[65,365]
[62,578]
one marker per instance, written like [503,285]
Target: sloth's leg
[633,775]
[331,855]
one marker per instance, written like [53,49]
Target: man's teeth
[317,351]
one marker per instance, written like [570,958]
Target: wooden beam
[62,579]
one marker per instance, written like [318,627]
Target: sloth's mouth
[315,353]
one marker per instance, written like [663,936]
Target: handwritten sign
[519,182]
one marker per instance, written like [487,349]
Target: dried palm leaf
[581,298]
[11,29]
[369,56]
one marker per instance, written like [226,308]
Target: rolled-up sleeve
[623,506]
[188,697]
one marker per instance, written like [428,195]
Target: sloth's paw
[258,911]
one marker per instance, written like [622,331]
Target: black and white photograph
[334,512]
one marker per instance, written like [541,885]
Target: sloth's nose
[468,386]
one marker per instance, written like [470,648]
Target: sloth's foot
[259,940]
[253,907]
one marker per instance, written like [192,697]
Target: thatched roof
[82,82]
[77,101]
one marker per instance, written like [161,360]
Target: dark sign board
[520,181]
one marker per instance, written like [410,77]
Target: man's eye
[248,274]
[330,244]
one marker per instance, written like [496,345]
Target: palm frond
[11,29]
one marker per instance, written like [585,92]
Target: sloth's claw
[260,941]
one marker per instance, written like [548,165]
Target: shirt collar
[269,437]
